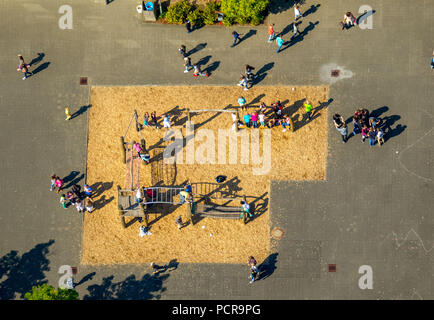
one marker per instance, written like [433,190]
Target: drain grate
[335,73]
[332,268]
[83,81]
[277,233]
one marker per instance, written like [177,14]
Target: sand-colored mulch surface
[299,155]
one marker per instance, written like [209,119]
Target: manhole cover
[335,73]
[332,268]
[277,233]
[83,81]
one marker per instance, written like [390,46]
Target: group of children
[187,63]
[368,125]
[74,196]
[147,119]
[256,119]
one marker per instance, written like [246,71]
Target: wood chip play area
[111,233]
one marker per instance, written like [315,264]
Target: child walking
[58,184]
[295,31]
[187,64]
[270,32]
[236,36]
[182,51]
[297,12]
[243,82]
[178,222]
[23,67]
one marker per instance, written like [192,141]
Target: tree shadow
[278,6]
[41,67]
[108,1]
[146,288]
[262,73]
[267,267]
[365,16]
[199,47]
[301,36]
[37,59]
[19,274]
[86,278]
[312,9]
[247,35]
[80,111]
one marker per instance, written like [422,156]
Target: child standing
[166,121]
[262,107]
[154,119]
[245,207]
[262,119]
[87,190]
[68,114]
[270,32]
[63,201]
[308,108]
[432,61]
[178,222]
[242,102]
[88,203]
[71,197]
[146,119]
[79,206]
[286,123]
[247,119]
[254,117]
[188,26]
[365,132]
[380,136]
[139,195]
[372,135]
[356,125]
[53,182]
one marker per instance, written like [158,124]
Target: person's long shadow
[147,288]
[247,35]
[301,36]
[36,60]
[312,9]
[100,187]
[262,73]
[80,111]
[171,266]
[87,277]
[19,273]
[394,132]
[365,16]
[72,179]
[199,47]
[212,67]
[203,61]
[101,202]
[267,267]
[378,112]
[41,67]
